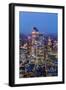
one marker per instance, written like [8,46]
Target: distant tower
[29,44]
[49,44]
[49,41]
[35,33]
[35,36]
[37,46]
[55,46]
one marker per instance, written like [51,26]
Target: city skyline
[38,44]
[37,58]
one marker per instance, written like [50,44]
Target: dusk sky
[44,22]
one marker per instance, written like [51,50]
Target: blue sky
[45,22]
